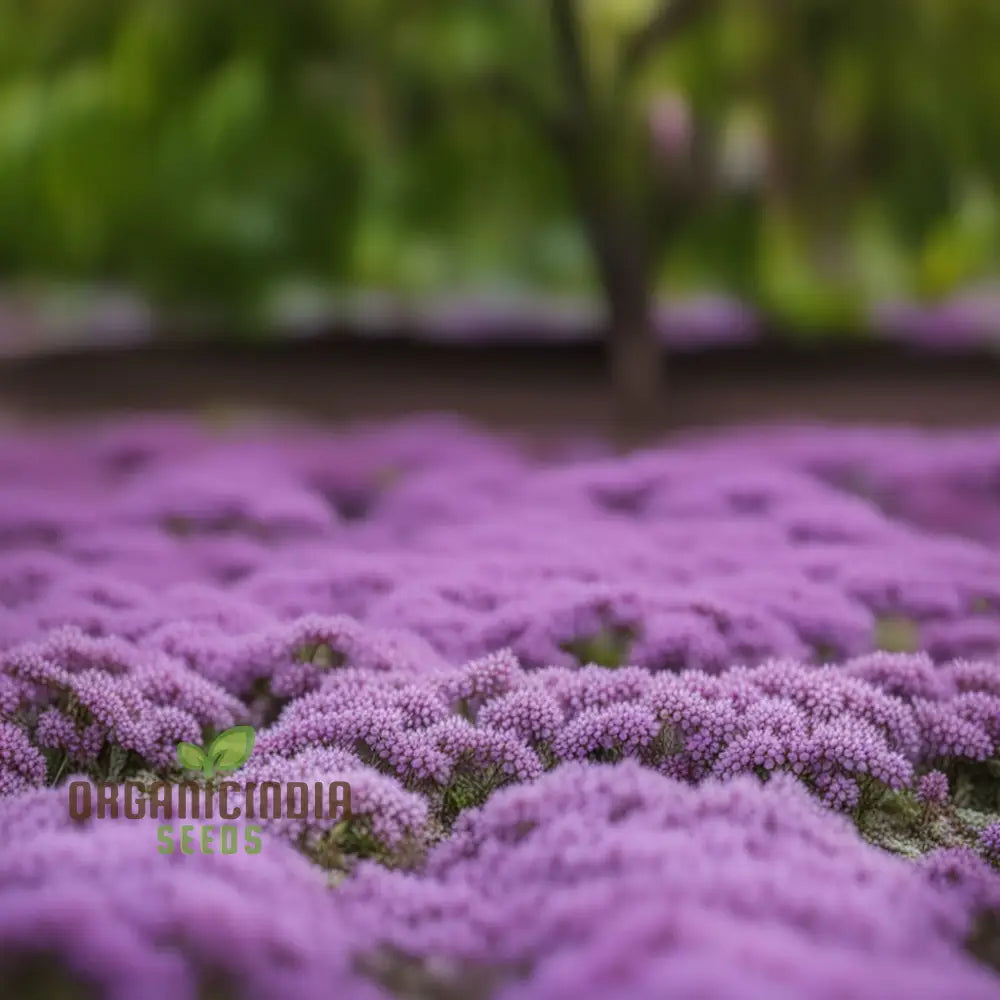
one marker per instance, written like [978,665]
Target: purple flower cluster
[393,815]
[932,788]
[95,911]
[410,729]
[703,554]
[612,726]
[838,728]
[80,695]
[292,657]
[989,842]
[594,881]
[943,482]
[614,881]
[21,765]
[967,320]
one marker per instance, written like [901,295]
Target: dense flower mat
[717,720]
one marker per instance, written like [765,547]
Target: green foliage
[349,839]
[469,787]
[213,153]
[976,784]
[607,648]
[338,849]
[896,634]
[175,146]
[413,978]
[900,822]
[319,654]
[39,976]
[113,763]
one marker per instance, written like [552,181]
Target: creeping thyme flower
[932,788]
[989,842]
[21,765]
[608,721]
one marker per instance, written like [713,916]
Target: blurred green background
[227,159]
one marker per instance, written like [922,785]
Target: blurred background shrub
[226,159]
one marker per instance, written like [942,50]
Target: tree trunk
[596,153]
[636,364]
[636,358]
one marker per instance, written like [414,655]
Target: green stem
[62,767]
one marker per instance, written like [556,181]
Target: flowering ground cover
[719,719]
[966,322]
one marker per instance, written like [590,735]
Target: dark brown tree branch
[570,56]
[668,21]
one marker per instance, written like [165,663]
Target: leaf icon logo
[228,751]
[232,748]
[190,756]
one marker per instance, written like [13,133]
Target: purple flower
[21,765]
[932,788]
[989,842]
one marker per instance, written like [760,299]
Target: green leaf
[191,757]
[232,748]
[896,634]
[117,759]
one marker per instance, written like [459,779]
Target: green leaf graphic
[191,757]
[231,748]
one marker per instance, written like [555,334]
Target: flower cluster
[292,657]
[704,554]
[932,788]
[93,910]
[842,730]
[700,684]
[560,887]
[391,814]
[21,765]
[553,888]
[81,696]
[989,842]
